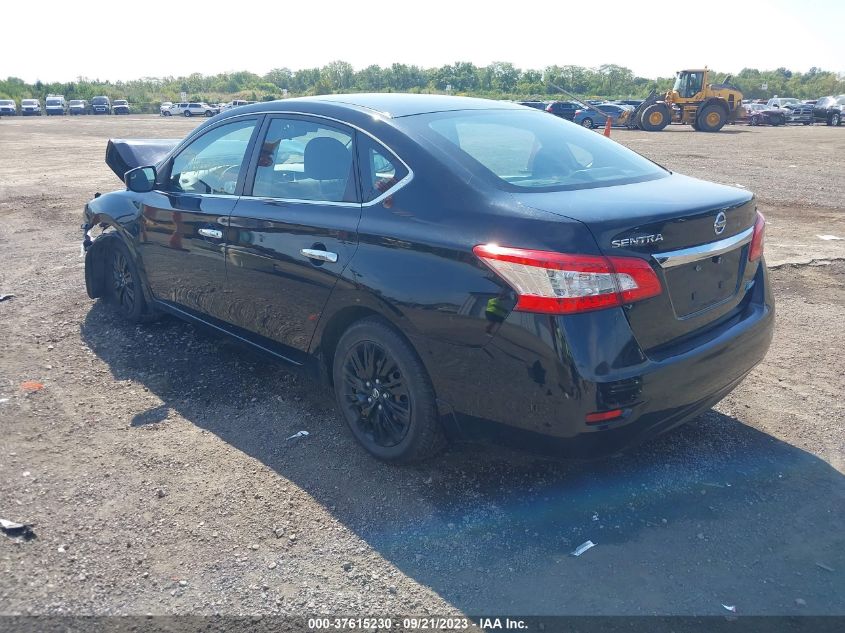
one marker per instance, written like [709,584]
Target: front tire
[835,119]
[655,118]
[125,292]
[385,395]
[187,113]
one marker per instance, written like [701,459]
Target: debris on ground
[6,297]
[13,529]
[800,602]
[583,547]
[730,607]
[828,237]
[825,567]
[300,434]
[32,385]
[3,400]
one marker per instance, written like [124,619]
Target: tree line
[499,80]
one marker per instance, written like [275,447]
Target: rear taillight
[557,283]
[548,108]
[577,112]
[755,251]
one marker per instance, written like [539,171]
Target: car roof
[389,105]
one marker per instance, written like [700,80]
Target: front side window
[305,160]
[212,163]
[529,151]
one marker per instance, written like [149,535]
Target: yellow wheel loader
[692,100]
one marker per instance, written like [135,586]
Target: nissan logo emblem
[720,223]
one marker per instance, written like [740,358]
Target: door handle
[322,256]
[218,235]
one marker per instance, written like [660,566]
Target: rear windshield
[29,102]
[527,150]
[120,102]
[75,102]
[100,100]
[54,102]
[6,102]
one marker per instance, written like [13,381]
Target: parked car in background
[537,105]
[196,108]
[597,115]
[830,110]
[78,106]
[235,103]
[799,113]
[8,107]
[767,116]
[780,102]
[395,258]
[563,109]
[31,107]
[120,106]
[636,103]
[101,105]
[55,105]
[164,108]
[749,109]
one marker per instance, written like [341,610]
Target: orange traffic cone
[607,127]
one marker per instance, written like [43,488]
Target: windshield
[120,102]
[54,102]
[29,102]
[6,102]
[528,150]
[75,102]
[100,100]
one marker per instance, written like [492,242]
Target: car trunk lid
[694,234]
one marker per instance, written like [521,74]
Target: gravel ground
[155,469]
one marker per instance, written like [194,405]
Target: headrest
[326,158]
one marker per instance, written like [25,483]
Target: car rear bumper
[533,384]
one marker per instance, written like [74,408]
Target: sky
[115,41]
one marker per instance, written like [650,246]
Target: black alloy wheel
[124,283]
[376,394]
[384,393]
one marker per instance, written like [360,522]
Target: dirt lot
[155,468]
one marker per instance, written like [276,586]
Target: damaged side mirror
[140,179]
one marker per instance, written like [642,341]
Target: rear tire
[209,113]
[835,119]
[187,113]
[711,118]
[385,395]
[588,123]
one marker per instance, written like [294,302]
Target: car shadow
[699,517]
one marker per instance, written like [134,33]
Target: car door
[184,220]
[294,230]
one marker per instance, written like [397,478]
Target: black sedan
[456,268]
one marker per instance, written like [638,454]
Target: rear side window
[304,160]
[212,163]
[380,169]
[521,150]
